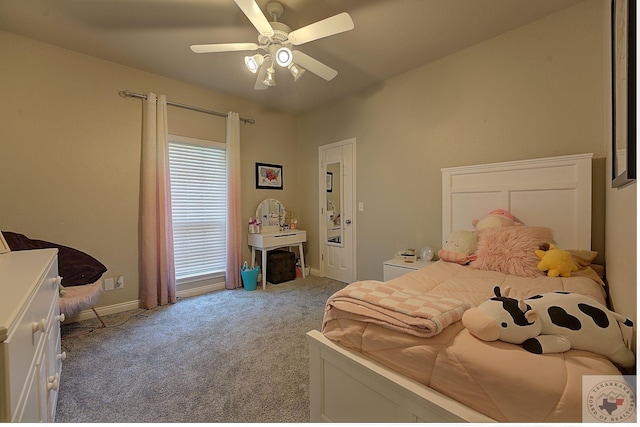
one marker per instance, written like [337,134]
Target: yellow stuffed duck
[556,262]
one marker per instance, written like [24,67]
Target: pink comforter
[501,380]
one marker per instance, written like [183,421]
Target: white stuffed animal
[459,247]
[551,323]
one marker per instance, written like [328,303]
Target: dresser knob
[60,318]
[62,356]
[39,326]
[52,383]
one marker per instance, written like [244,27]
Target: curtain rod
[125,93]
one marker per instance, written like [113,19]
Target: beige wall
[537,91]
[70,150]
[70,146]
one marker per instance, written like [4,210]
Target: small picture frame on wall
[329,182]
[268,177]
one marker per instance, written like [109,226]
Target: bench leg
[98,316]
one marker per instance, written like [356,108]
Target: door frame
[322,203]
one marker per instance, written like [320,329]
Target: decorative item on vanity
[277,40]
[272,214]
[255,225]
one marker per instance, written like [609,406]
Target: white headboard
[553,192]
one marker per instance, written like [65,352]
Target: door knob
[348,222]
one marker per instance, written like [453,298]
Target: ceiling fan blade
[327,27]
[261,73]
[251,9]
[223,47]
[313,65]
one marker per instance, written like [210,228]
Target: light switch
[109,284]
[361,206]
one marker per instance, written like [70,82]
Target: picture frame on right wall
[623,91]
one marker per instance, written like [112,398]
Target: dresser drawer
[397,267]
[278,239]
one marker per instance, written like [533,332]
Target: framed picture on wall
[268,176]
[329,182]
[623,67]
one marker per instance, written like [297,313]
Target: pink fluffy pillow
[510,250]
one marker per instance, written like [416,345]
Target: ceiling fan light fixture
[284,56]
[296,71]
[269,77]
[254,62]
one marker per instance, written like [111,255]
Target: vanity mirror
[271,213]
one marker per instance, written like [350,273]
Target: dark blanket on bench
[76,267]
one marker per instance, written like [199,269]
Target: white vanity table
[271,214]
[274,240]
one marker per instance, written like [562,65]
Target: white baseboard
[103,311]
[133,305]
[200,290]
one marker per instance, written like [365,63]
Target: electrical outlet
[109,284]
[120,282]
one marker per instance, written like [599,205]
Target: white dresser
[397,267]
[30,356]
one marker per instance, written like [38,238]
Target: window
[198,205]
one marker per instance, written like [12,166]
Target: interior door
[337,214]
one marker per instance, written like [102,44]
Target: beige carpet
[228,356]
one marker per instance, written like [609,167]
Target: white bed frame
[555,192]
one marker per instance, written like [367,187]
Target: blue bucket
[249,277]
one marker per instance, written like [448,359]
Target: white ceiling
[390,37]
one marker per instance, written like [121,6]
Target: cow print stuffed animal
[551,323]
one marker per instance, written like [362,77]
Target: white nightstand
[396,267]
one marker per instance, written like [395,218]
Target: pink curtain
[234,220]
[158,271]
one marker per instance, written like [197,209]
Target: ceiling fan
[277,40]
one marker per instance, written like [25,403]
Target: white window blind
[198,205]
